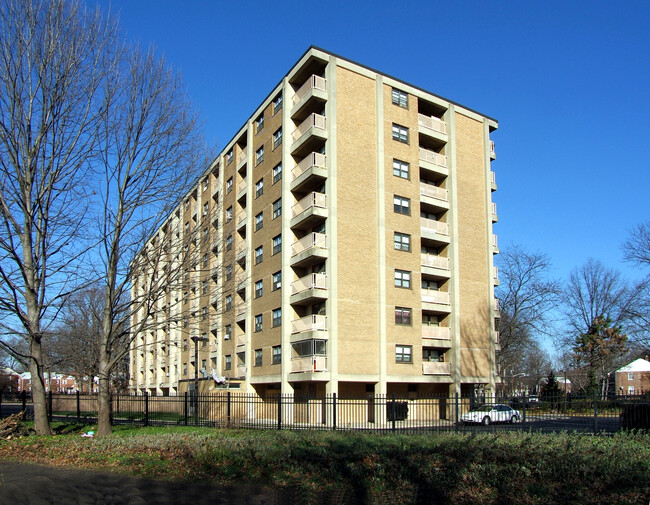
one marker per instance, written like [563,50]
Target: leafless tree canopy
[636,248]
[54,58]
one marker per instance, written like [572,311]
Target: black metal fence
[379,413]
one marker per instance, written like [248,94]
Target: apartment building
[342,242]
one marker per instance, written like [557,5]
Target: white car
[488,414]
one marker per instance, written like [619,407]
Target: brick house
[633,378]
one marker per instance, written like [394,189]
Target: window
[400,169]
[229,243]
[404,354]
[229,157]
[277,281]
[205,184]
[400,98]
[402,205]
[259,221]
[277,244]
[205,260]
[206,208]
[277,173]
[187,227]
[259,254]
[229,214]
[259,288]
[204,313]
[228,302]
[185,344]
[184,368]
[229,185]
[402,279]
[258,322]
[229,272]
[258,357]
[277,317]
[402,315]
[259,155]
[277,138]
[228,333]
[277,354]
[204,287]
[259,123]
[402,241]
[204,365]
[630,390]
[228,362]
[400,133]
[630,376]
[277,104]
[259,188]
[187,204]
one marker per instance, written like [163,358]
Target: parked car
[488,414]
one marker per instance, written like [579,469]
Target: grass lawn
[450,468]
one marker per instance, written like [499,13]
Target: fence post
[334,411]
[78,408]
[146,408]
[196,407]
[595,411]
[228,408]
[457,410]
[393,409]
[0,405]
[185,410]
[523,409]
[24,398]
[110,407]
[49,398]
[279,411]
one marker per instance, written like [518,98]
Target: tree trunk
[104,412]
[39,400]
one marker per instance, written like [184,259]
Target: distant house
[633,378]
[8,380]
[55,382]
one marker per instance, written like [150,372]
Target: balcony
[242,186]
[493,154]
[241,253]
[495,275]
[433,161]
[436,301]
[309,211]
[434,230]
[436,368]
[311,133]
[315,88]
[241,220]
[241,315]
[433,334]
[240,342]
[307,324]
[493,181]
[434,195]
[241,371]
[435,265]
[432,127]
[310,172]
[495,244]
[496,307]
[310,249]
[309,364]
[309,289]
[493,211]
[241,160]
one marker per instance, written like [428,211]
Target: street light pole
[196,340]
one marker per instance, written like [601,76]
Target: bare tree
[150,151]
[54,57]
[636,249]
[526,297]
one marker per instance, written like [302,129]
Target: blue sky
[569,83]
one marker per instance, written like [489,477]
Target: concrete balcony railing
[434,192]
[432,123]
[311,240]
[492,151]
[437,332]
[312,160]
[241,158]
[311,281]
[436,368]
[435,226]
[495,274]
[433,296]
[496,306]
[241,370]
[315,322]
[493,178]
[313,199]
[241,217]
[433,157]
[309,364]
[430,260]
[314,82]
[240,340]
[313,121]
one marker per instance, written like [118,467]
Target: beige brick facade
[341,242]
